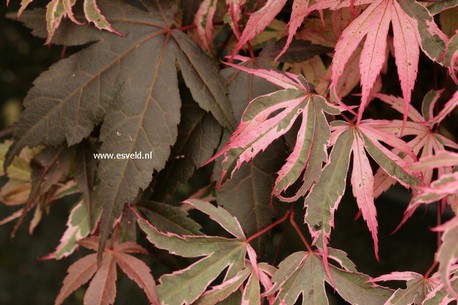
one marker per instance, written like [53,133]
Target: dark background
[26,280]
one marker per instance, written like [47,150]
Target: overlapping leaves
[325,196]
[102,288]
[57,10]
[97,84]
[269,117]
[219,253]
[302,273]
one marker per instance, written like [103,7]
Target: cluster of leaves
[143,80]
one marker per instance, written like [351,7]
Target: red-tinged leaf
[229,256]
[445,185]
[90,243]
[204,22]
[272,115]
[129,247]
[139,272]
[447,255]
[258,129]
[258,21]
[409,21]
[445,110]
[406,51]
[102,289]
[79,273]
[438,296]
[416,291]
[94,15]
[362,182]
[235,12]
[310,151]
[297,17]
[373,55]
[398,104]
[391,163]
[440,159]
[272,76]
[368,21]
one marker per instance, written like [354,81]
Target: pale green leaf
[185,286]
[325,196]
[187,246]
[224,290]
[219,215]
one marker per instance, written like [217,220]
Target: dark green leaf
[168,218]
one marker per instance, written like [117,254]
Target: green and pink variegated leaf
[444,186]
[431,39]
[362,183]
[258,21]
[235,13]
[224,290]
[374,23]
[93,14]
[220,216]
[447,256]
[426,142]
[269,117]
[303,273]
[417,287]
[232,257]
[204,22]
[56,10]
[78,227]
[325,196]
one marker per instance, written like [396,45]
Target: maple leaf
[303,273]
[75,95]
[219,253]
[325,196]
[269,117]
[79,225]
[204,22]
[48,181]
[168,218]
[252,183]
[418,288]
[57,10]
[426,142]
[413,27]
[199,135]
[446,184]
[447,255]
[102,288]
